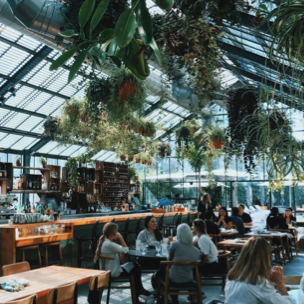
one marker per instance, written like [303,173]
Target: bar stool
[125,232]
[171,226]
[92,240]
[113,220]
[137,229]
[46,259]
[160,223]
[31,262]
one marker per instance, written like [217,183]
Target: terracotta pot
[18,163]
[123,157]
[137,160]
[149,163]
[218,144]
[125,89]
[138,130]
[44,166]
[130,158]
[84,117]
[144,162]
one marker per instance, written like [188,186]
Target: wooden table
[231,244]
[43,279]
[250,227]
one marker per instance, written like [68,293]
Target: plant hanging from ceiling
[72,165]
[51,127]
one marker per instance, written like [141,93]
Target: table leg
[79,253]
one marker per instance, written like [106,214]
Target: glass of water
[158,248]
[143,248]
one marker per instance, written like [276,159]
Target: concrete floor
[295,267]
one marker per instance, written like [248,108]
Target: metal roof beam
[42,142]
[23,111]
[20,132]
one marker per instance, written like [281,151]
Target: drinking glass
[158,248]
[143,248]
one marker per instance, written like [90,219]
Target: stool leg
[109,290]
[46,257]
[79,253]
[23,255]
[39,257]
[60,255]
[133,292]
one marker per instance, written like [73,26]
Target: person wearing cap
[244,216]
[289,216]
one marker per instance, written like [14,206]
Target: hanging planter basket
[218,144]
[84,117]
[125,89]
[123,157]
[130,158]
[144,162]
[138,130]
[149,163]
[137,160]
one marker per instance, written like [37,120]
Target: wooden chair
[31,248]
[215,238]
[29,300]
[194,289]
[98,282]
[119,280]
[15,268]
[223,257]
[46,246]
[66,294]
[286,249]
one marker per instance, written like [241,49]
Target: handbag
[93,296]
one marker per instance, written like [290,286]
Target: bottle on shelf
[19,184]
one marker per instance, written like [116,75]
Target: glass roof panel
[79,151]
[52,106]
[70,150]
[48,147]
[30,123]
[9,140]
[13,120]
[23,143]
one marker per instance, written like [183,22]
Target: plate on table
[23,282]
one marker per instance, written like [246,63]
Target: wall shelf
[31,168]
[35,191]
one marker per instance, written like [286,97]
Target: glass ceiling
[40,93]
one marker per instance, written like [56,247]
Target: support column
[26,163]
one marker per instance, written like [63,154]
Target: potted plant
[132,173]
[183,134]
[123,157]
[130,158]
[84,117]
[43,161]
[216,135]
[83,160]
[72,165]
[51,127]
[148,129]
[18,162]
[72,108]
[164,150]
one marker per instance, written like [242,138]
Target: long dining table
[43,279]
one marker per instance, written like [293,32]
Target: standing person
[245,216]
[204,205]
[209,259]
[107,247]
[274,221]
[237,221]
[211,227]
[289,216]
[224,220]
[251,280]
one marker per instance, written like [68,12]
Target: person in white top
[107,247]
[252,278]
[209,258]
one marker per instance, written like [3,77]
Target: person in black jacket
[211,227]
[204,205]
[289,216]
[274,221]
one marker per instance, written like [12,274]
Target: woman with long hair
[204,205]
[224,221]
[253,279]
[150,234]
[107,247]
[289,216]
[209,260]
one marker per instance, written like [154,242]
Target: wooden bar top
[102,219]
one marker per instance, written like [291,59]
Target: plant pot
[137,160]
[18,163]
[125,89]
[138,130]
[130,158]
[218,144]
[144,162]
[149,163]
[84,117]
[123,157]
[44,166]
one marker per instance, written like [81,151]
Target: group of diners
[251,277]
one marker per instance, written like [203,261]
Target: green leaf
[68,33]
[77,64]
[106,35]
[125,28]
[116,61]
[64,58]
[156,51]
[85,13]
[145,27]
[115,50]
[263,7]
[98,14]
[98,54]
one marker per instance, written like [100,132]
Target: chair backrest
[175,218]
[104,258]
[63,294]
[29,300]
[15,268]
[161,221]
[94,230]
[188,221]
[179,219]
[100,280]
[137,229]
[113,220]
[127,224]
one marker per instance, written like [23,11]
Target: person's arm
[221,220]
[228,225]
[171,252]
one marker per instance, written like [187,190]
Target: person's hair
[241,205]
[235,211]
[274,211]
[208,215]
[225,209]
[184,234]
[168,196]
[205,199]
[177,195]
[157,233]
[253,265]
[200,225]
[108,229]
[290,209]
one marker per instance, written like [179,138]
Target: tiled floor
[295,267]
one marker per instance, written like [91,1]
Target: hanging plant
[216,135]
[73,108]
[164,150]
[132,172]
[183,134]
[50,126]
[148,129]
[128,96]
[72,165]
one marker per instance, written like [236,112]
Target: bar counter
[75,227]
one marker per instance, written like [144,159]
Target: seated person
[166,201]
[289,216]
[237,221]
[107,247]
[209,257]
[182,250]
[244,216]
[274,221]
[211,227]
[224,220]
[251,280]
